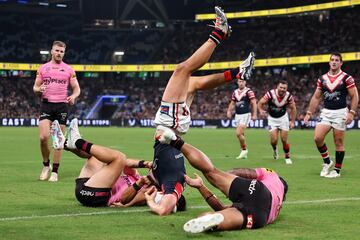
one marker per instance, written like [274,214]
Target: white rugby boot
[204,223]
[57,136]
[326,169]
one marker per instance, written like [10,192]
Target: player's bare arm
[314,103]
[39,88]
[261,107]
[133,190]
[166,205]
[209,197]
[293,113]
[353,93]
[248,173]
[230,109]
[75,91]
[253,109]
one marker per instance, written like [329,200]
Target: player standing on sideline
[180,91]
[278,120]
[241,99]
[333,87]
[51,84]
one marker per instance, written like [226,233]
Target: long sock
[324,153]
[217,36]
[83,145]
[243,146]
[274,147]
[232,74]
[178,143]
[47,163]
[339,159]
[55,167]
[286,149]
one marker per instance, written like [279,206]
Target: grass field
[316,208]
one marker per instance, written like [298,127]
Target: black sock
[323,150]
[339,159]
[47,163]
[217,36]
[83,145]
[55,167]
[178,143]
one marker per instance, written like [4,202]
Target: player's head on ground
[181,204]
[282,87]
[58,51]
[286,187]
[241,83]
[335,61]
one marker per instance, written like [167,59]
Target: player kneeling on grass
[108,178]
[257,194]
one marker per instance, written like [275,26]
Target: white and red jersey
[56,78]
[335,89]
[273,183]
[242,100]
[277,105]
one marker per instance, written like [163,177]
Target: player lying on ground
[108,177]
[179,93]
[257,194]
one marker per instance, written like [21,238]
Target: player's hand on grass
[194,182]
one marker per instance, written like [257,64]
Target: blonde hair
[59,43]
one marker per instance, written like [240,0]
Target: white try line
[7,219]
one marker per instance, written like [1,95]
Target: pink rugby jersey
[123,182]
[271,180]
[56,78]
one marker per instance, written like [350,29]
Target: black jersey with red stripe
[242,100]
[277,105]
[335,89]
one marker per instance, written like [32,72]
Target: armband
[136,187]
[141,164]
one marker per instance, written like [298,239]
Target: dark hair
[285,187]
[283,81]
[336,54]
[181,204]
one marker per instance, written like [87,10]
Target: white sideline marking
[146,210]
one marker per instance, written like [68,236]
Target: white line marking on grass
[301,202]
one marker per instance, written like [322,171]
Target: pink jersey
[56,78]
[123,182]
[271,180]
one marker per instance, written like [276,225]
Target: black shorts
[169,168]
[89,196]
[252,199]
[54,111]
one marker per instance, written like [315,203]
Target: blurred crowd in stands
[23,36]
[144,94]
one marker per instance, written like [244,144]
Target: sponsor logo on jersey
[179,156]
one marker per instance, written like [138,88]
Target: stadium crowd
[144,94]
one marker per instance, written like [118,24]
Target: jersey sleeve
[233,98]
[291,99]
[350,82]
[39,74]
[250,94]
[261,172]
[72,75]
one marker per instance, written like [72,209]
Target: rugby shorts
[252,198]
[281,123]
[89,196]
[334,118]
[54,111]
[174,115]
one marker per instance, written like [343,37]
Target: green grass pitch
[316,208]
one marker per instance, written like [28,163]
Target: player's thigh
[44,128]
[221,180]
[107,175]
[91,166]
[320,131]
[233,219]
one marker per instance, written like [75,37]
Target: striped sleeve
[233,98]
[350,82]
[267,96]
[250,94]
